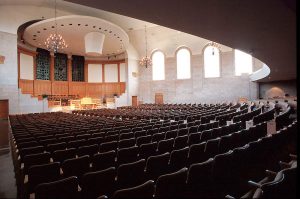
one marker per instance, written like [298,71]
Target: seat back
[165,146]
[62,155]
[43,173]
[98,183]
[76,166]
[178,159]
[35,159]
[146,150]
[171,185]
[131,174]
[104,160]
[65,188]
[126,155]
[157,165]
[145,191]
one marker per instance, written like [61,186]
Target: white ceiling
[73,28]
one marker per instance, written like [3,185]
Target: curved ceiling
[266,29]
[73,29]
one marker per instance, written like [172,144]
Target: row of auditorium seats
[227,172]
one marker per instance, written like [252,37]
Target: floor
[8,187]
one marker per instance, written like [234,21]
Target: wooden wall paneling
[134,101]
[42,87]
[118,72]
[77,88]
[94,90]
[26,86]
[86,72]
[4,108]
[103,73]
[60,88]
[159,98]
[123,87]
[19,69]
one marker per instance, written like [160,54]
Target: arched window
[211,62]
[183,64]
[158,66]
[243,62]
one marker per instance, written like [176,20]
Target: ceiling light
[146,61]
[55,42]
[214,45]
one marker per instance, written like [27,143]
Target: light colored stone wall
[198,89]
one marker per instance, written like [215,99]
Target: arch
[183,63]
[158,65]
[211,61]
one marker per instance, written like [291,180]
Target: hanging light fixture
[55,42]
[146,61]
[214,45]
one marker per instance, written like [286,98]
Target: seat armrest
[254,184]
[293,156]
[229,197]
[271,173]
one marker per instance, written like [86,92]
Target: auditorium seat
[65,188]
[28,144]
[48,141]
[182,131]
[199,180]
[62,155]
[126,143]
[42,173]
[225,143]
[95,140]
[152,131]
[143,140]
[194,138]
[211,148]
[158,136]
[180,142]
[126,155]
[171,185]
[193,129]
[140,133]
[165,146]
[108,146]
[171,134]
[131,174]
[104,160]
[76,143]
[111,138]
[98,183]
[196,153]
[57,146]
[35,159]
[89,150]
[146,150]
[145,191]
[157,165]
[76,166]
[178,159]
[126,136]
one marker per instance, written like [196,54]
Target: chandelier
[55,42]
[214,45]
[146,61]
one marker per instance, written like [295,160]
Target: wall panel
[26,66]
[42,87]
[95,73]
[111,72]
[60,88]
[26,86]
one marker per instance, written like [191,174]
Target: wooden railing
[83,89]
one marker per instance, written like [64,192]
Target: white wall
[95,73]
[26,66]
[122,72]
[111,72]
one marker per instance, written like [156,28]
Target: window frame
[152,54]
[176,56]
[252,63]
[220,61]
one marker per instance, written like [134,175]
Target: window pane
[158,67]
[243,62]
[183,64]
[211,62]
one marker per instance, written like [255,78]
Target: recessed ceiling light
[99,28]
[44,28]
[105,30]
[70,24]
[52,27]
[110,31]
[62,24]
[79,24]
[38,32]
[34,35]
[86,24]
[94,26]
[34,39]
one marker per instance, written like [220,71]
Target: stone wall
[198,89]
